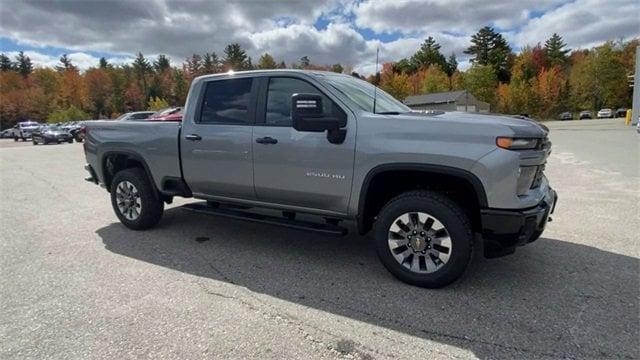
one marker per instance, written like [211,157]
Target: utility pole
[635,112]
[466,101]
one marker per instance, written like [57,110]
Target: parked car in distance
[136,115]
[426,185]
[585,114]
[6,133]
[50,134]
[74,127]
[566,116]
[169,114]
[621,112]
[22,130]
[605,113]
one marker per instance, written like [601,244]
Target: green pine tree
[162,63]
[5,63]
[210,63]
[65,64]
[235,58]
[304,62]
[428,54]
[555,50]
[490,48]
[23,64]
[266,61]
[103,63]
[452,65]
[337,68]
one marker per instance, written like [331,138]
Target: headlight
[517,143]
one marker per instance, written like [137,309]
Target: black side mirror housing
[307,115]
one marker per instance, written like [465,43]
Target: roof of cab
[267,71]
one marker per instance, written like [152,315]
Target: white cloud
[286,29]
[458,16]
[585,23]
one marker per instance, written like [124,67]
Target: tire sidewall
[152,206]
[459,232]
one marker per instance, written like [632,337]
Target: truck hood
[518,126]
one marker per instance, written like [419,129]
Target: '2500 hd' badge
[325,175]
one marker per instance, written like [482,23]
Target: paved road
[75,284]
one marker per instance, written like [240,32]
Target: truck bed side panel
[156,143]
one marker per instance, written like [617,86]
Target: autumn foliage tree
[396,84]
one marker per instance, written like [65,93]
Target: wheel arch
[117,160]
[368,209]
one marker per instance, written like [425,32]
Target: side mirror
[307,115]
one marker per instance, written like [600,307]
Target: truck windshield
[361,93]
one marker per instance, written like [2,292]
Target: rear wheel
[134,199]
[33,140]
[424,239]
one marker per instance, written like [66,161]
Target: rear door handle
[266,140]
[193,137]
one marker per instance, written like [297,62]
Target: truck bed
[156,143]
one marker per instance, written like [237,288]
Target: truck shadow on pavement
[550,299]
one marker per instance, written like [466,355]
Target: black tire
[15,138]
[152,205]
[45,141]
[33,140]
[449,214]
[78,139]
[70,141]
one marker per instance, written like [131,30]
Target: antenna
[375,88]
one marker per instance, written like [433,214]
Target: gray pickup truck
[428,186]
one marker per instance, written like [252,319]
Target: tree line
[541,80]
[63,92]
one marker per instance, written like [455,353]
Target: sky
[328,32]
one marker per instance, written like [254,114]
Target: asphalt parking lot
[76,284]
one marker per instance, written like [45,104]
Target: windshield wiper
[389,113]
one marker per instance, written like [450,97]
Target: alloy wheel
[128,200]
[419,242]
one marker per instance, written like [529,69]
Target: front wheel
[424,239]
[134,199]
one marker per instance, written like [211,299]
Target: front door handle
[266,140]
[193,137]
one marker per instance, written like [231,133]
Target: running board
[327,229]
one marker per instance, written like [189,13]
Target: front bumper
[58,138]
[504,230]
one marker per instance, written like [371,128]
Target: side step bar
[327,229]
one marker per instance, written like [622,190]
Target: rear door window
[227,102]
